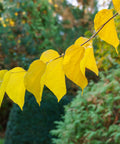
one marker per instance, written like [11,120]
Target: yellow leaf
[2,73]
[49,55]
[108,32]
[88,60]
[13,85]
[2,88]
[116,4]
[33,77]
[15,88]
[71,64]
[81,40]
[54,77]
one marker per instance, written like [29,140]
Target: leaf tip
[82,91]
[60,96]
[39,103]
[58,99]
[97,73]
[38,99]
[116,50]
[21,108]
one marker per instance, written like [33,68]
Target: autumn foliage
[50,70]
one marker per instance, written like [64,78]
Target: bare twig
[62,55]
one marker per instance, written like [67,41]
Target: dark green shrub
[4,114]
[32,125]
[93,118]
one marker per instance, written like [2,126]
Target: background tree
[29,28]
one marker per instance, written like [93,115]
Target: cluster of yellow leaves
[50,70]
[7,22]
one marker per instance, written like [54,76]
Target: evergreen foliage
[27,28]
[32,125]
[93,118]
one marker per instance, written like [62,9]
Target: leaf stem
[90,37]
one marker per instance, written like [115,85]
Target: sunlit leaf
[88,60]
[49,55]
[116,4]
[15,88]
[71,64]
[2,86]
[108,32]
[81,40]
[33,77]
[13,85]
[54,77]
[2,74]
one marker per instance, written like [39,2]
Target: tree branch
[99,29]
[90,37]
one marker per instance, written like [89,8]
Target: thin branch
[62,55]
[90,37]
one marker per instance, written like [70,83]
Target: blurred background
[28,28]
